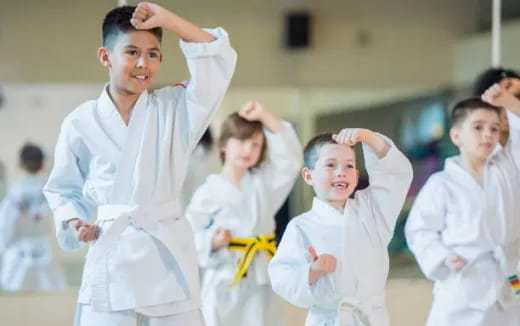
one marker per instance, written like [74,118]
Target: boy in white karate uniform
[119,166]
[232,214]
[27,262]
[463,228]
[333,259]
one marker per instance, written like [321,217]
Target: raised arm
[283,157]
[211,61]
[500,97]
[150,15]
[390,174]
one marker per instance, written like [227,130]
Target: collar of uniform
[326,211]
[225,190]
[453,166]
[107,108]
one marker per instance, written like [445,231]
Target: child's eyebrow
[484,121]
[135,47]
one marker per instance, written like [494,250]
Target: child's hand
[147,16]
[455,263]
[351,136]
[252,111]
[498,96]
[221,238]
[320,265]
[85,232]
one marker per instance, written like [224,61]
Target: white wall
[410,42]
[473,54]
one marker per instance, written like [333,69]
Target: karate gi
[130,178]
[453,214]
[27,261]
[247,211]
[358,238]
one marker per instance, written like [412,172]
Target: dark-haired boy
[463,228]
[333,259]
[119,167]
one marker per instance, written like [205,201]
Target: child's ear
[307,176]
[103,56]
[455,136]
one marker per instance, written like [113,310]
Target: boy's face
[244,153]
[334,177]
[133,62]
[478,134]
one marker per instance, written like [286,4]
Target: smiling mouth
[141,77]
[340,185]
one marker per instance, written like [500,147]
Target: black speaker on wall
[297,30]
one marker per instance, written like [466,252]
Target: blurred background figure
[232,215]
[27,262]
[202,163]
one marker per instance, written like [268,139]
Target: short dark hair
[311,152]
[117,21]
[492,76]
[31,158]
[462,109]
[237,127]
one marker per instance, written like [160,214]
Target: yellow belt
[250,246]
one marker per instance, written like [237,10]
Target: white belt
[501,255]
[141,217]
[357,310]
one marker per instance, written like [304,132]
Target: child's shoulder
[82,111]
[302,222]
[208,193]
[174,90]
[437,183]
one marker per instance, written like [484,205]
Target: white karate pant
[85,316]
[493,316]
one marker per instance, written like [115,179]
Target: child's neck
[339,205]
[123,101]
[233,174]
[474,165]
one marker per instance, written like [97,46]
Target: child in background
[232,214]
[333,259]
[27,262]
[463,228]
